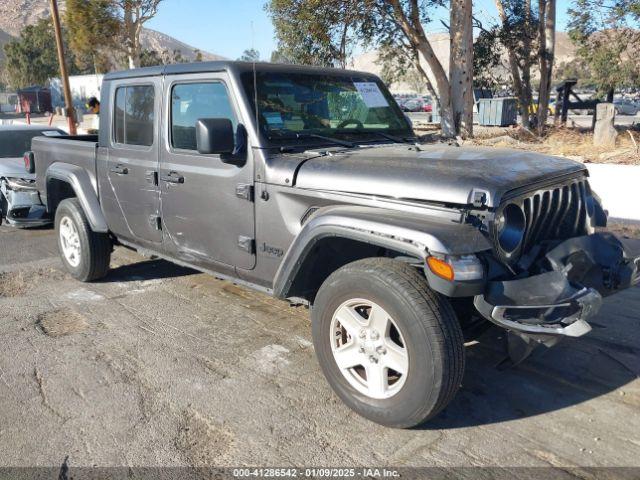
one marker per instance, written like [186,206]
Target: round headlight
[510,227]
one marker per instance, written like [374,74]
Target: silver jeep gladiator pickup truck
[308,184]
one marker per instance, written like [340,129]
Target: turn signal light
[462,268]
[440,268]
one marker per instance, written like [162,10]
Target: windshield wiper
[388,136]
[300,136]
[337,141]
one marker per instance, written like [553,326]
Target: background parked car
[20,203]
[413,105]
[624,106]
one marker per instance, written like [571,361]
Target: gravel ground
[161,366]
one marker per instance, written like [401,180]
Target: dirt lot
[159,365]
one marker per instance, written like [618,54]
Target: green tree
[518,33]
[487,59]
[150,58]
[526,33]
[322,32]
[250,55]
[32,59]
[397,29]
[317,32]
[93,29]
[133,14]
[607,42]
[277,56]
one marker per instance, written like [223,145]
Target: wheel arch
[67,181]
[336,236]
[326,252]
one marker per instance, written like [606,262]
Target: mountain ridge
[17,14]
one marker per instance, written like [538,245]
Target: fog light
[461,268]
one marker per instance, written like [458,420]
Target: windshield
[13,143]
[297,105]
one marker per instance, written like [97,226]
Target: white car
[20,203]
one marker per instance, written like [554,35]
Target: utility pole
[64,77]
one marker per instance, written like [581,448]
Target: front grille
[554,213]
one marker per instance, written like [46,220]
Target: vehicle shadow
[146,270]
[572,372]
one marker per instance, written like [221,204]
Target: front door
[206,216]
[132,164]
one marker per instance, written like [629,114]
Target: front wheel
[391,348]
[85,254]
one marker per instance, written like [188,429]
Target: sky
[228,27]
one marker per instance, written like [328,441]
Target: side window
[192,101]
[134,114]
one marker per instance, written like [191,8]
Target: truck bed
[77,150]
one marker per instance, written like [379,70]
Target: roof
[226,65]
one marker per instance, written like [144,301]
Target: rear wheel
[85,254]
[390,347]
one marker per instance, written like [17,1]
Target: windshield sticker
[371,94]
[51,133]
[274,119]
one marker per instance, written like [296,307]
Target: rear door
[132,165]
[207,213]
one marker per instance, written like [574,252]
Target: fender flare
[84,188]
[413,235]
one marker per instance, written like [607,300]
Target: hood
[14,168]
[435,173]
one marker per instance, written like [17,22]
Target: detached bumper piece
[581,271]
[20,204]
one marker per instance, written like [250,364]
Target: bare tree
[134,14]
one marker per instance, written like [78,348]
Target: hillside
[16,14]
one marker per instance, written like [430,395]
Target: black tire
[95,248]
[428,326]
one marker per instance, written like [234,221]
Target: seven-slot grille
[558,212]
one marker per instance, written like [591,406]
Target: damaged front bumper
[576,275]
[20,204]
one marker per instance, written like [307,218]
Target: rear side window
[134,115]
[192,101]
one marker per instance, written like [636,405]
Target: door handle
[172,177]
[120,170]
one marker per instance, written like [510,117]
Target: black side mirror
[214,135]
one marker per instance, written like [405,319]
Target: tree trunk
[513,65]
[343,46]
[444,90]
[430,89]
[461,66]
[526,69]
[132,29]
[546,55]
[129,34]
